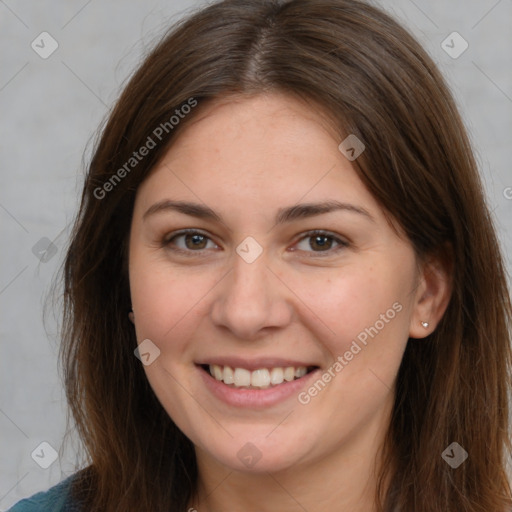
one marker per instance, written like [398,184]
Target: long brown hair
[375,81]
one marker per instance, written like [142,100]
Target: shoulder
[54,499]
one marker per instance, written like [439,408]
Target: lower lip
[255,398]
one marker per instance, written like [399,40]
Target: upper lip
[254,364]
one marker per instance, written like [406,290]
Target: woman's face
[289,266]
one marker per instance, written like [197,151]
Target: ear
[433,293]
[131,316]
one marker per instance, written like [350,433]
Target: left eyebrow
[284,215]
[305,210]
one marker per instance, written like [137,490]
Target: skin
[245,158]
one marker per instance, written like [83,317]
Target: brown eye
[320,241]
[195,241]
[189,241]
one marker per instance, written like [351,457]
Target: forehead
[256,152]
[269,126]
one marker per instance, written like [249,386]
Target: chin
[258,453]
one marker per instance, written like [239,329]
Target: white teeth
[229,376]
[242,377]
[217,372]
[276,376]
[300,371]
[260,378]
[289,373]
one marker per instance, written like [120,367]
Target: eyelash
[167,242]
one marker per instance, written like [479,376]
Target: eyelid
[342,243]
[166,240]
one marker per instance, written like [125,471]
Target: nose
[251,300]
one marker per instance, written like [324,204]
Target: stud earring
[425,324]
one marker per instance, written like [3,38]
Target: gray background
[51,109]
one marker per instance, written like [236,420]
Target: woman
[284,289]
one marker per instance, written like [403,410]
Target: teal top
[55,499]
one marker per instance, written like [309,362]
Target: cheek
[348,300]
[364,311]
[167,303]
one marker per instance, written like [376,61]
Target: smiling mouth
[262,378]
